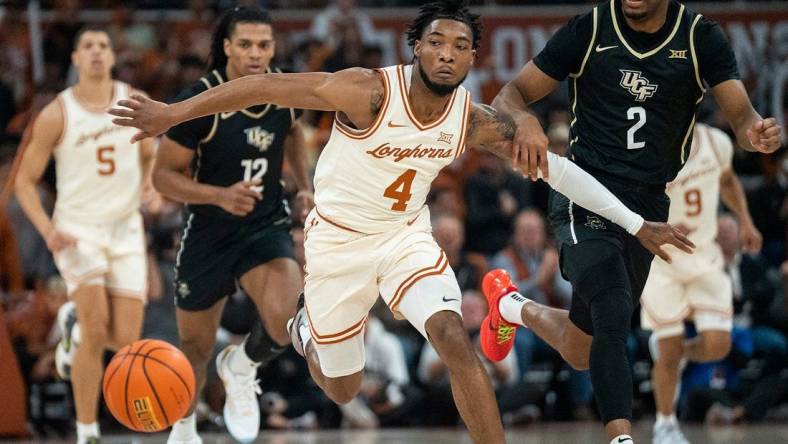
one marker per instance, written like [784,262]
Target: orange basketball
[148,385]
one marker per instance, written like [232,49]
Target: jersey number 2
[105,160]
[255,169]
[399,190]
[636,112]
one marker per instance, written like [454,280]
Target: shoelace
[505,333]
[245,391]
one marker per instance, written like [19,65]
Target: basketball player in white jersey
[694,287]
[96,233]
[370,233]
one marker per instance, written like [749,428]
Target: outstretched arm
[530,141]
[356,92]
[492,131]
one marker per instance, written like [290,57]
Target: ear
[227,45]
[417,48]
[473,56]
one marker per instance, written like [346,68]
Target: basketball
[148,385]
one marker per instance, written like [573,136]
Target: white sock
[622,439]
[185,429]
[75,333]
[85,431]
[239,361]
[511,307]
[663,420]
[305,335]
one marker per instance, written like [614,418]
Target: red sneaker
[497,334]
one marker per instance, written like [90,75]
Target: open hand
[653,235]
[152,118]
[764,135]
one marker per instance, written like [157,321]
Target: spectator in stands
[341,14]
[493,196]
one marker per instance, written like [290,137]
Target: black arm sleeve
[190,133]
[563,54]
[716,60]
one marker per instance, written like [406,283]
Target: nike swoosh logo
[624,439]
[604,48]
[395,125]
[449,300]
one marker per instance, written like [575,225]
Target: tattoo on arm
[491,130]
[376,101]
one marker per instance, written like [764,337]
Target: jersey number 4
[399,190]
[639,113]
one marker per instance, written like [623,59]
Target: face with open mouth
[250,48]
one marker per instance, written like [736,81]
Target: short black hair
[447,9]
[90,28]
[226,27]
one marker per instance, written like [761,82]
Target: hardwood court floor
[554,433]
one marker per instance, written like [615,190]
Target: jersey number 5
[399,190]
[105,160]
[636,112]
[255,169]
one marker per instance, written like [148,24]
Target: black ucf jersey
[633,112]
[236,146]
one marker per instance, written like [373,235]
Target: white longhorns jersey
[695,192]
[99,172]
[374,180]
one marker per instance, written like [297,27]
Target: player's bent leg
[93,317]
[708,346]
[126,318]
[432,305]
[471,387]
[551,324]
[274,287]
[665,373]
[197,333]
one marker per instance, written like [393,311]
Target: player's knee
[197,351]
[446,333]
[343,390]
[611,314]
[94,333]
[671,351]
[716,345]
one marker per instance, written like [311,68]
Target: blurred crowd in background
[484,216]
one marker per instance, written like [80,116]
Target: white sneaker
[66,348]
[241,408]
[669,434]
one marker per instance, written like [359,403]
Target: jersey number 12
[636,112]
[255,169]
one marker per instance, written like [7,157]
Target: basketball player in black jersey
[635,83]
[227,168]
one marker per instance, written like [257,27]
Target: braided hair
[226,27]
[445,9]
